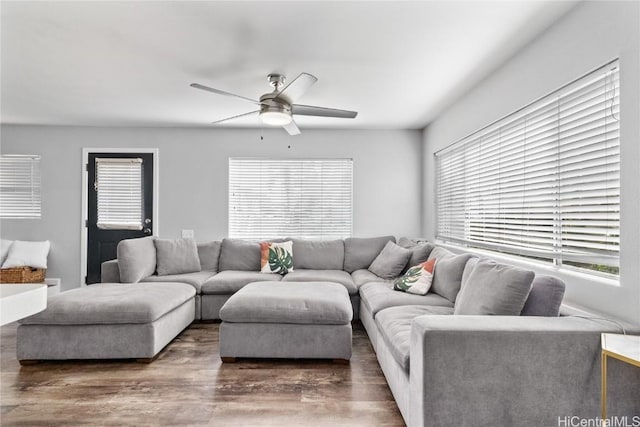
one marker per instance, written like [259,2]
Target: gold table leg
[603,396]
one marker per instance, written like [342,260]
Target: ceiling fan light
[275,118]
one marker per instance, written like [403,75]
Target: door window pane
[119,189]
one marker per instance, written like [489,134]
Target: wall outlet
[188,234]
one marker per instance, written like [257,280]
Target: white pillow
[27,254]
[4,249]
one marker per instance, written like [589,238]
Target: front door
[120,204]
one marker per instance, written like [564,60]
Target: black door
[120,204]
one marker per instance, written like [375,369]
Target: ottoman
[107,321]
[287,320]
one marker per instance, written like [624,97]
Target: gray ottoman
[107,321]
[287,320]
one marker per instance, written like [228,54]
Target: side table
[622,347]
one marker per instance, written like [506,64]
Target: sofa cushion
[176,256]
[136,259]
[407,243]
[318,254]
[109,303]
[239,255]
[231,281]
[359,253]
[390,261]
[545,297]
[336,276]
[394,325]
[209,254]
[362,277]
[293,302]
[377,296]
[194,279]
[494,289]
[276,257]
[447,277]
[417,280]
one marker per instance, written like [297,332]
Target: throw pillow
[4,249]
[359,253]
[545,297]
[27,254]
[447,279]
[390,261]
[494,289]
[176,256]
[417,280]
[136,259]
[276,257]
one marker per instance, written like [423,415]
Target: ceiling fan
[277,107]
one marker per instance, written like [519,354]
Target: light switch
[188,234]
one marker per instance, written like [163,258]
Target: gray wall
[590,35]
[193,181]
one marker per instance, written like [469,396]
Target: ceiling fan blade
[310,110]
[235,117]
[292,128]
[221,92]
[297,87]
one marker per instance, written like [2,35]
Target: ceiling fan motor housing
[274,111]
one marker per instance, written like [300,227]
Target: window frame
[561,256]
[297,162]
[31,206]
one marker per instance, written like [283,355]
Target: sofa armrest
[513,371]
[110,272]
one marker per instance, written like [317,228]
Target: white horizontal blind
[20,194]
[296,198]
[543,182]
[119,193]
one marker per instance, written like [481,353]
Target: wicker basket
[22,275]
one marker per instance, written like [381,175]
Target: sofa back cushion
[318,254]
[545,297]
[359,253]
[494,289]
[176,256]
[391,261]
[241,255]
[209,253]
[447,277]
[136,259]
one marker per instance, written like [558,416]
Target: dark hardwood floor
[188,385]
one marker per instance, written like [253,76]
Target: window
[543,182]
[118,185]
[20,186]
[297,198]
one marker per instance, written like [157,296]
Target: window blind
[296,198]
[543,182]
[118,185]
[20,194]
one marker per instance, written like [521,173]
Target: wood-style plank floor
[188,385]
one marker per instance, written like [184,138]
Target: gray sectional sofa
[450,357]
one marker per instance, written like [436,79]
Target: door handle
[146,230]
[147,221]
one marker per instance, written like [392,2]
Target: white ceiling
[130,63]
